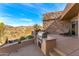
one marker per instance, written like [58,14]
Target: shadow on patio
[30,50]
[26,48]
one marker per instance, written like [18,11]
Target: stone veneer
[49,18]
[53,24]
[58,27]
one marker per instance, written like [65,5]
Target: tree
[35,32]
[36,27]
[2,28]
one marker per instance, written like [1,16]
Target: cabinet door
[43,47]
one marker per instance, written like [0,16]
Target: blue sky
[26,14]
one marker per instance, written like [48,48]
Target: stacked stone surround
[55,25]
[61,26]
[58,27]
[49,18]
[47,23]
[52,15]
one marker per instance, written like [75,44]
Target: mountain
[13,33]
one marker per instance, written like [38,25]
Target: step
[53,53]
[56,52]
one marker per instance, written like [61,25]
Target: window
[73,28]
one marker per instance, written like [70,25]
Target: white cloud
[6,20]
[26,20]
[25,24]
[3,19]
[41,24]
[40,7]
[20,22]
[28,4]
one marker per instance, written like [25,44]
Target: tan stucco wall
[75,19]
[78,25]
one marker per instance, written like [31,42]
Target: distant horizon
[19,25]
[27,14]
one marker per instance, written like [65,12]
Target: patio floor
[67,44]
[30,50]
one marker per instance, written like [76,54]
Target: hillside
[13,33]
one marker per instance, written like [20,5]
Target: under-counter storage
[47,45]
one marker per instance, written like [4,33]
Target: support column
[78,24]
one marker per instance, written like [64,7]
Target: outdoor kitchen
[44,42]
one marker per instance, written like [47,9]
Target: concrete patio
[30,50]
[69,45]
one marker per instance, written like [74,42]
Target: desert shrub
[29,37]
[16,40]
[11,41]
[22,38]
[6,41]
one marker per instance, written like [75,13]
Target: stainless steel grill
[42,35]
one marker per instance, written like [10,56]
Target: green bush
[16,40]
[29,37]
[22,38]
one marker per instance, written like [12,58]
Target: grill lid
[42,34]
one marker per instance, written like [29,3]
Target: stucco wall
[75,20]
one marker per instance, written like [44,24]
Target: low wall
[14,47]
